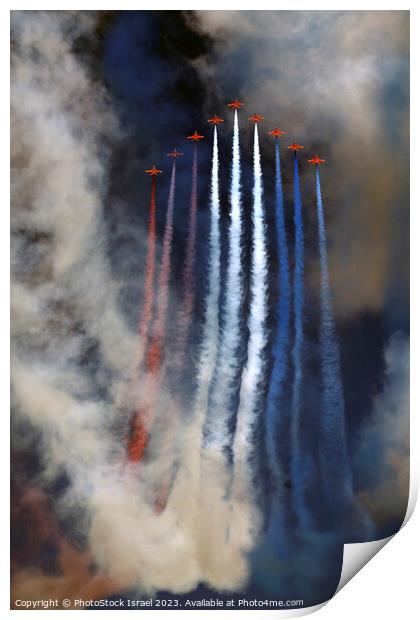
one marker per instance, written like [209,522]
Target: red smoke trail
[188,282]
[156,347]
[147,311]
[138,435]
[141,421]
[188,271]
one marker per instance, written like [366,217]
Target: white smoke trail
[215,509]
[226,377]
[204,474]
[253,372]
[208,355]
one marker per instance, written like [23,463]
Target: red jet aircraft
[256,118]
[295,147]
[316,160]
[195,137]
[175,154]
[235,104]
[215,120]
[153,171]
[276,132]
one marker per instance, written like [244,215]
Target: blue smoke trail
[299,464]
[335,470]
[282,333]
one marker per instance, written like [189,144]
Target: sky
[96,99]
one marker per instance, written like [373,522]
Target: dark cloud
[383,454]
[337,81]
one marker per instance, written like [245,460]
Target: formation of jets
[255,118]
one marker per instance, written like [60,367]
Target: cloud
[72,350]
[76,579]
[386,441]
